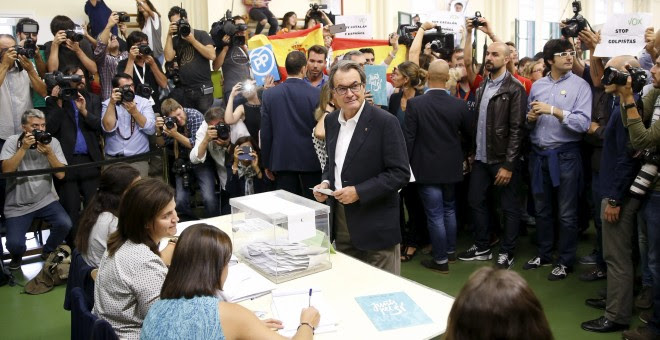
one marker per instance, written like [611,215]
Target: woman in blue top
[189,307]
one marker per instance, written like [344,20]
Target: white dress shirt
[346,129]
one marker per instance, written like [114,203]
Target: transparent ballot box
[281,235]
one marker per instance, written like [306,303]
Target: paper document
[245,283]
[392,311]
[288,303]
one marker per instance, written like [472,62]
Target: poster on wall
[451,22]
[623,34]
[357,26]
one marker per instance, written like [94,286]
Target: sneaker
[441,268]
[504,261]
[645,298]
[535,263]
[645,316]
[558,273]
[589,259]
[641,333]
[451,257]
[15,263]
[593,275]
[475,254]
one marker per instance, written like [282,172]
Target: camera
[575,24]
[143,90]
[475,20]
[223,131]
[227,26]
[170,122]
[646,175]
[75,34]
[442,43]
[127,94]
[614,76]
[182,168]
[29,48]
[172,73]
[24,51]
[57,78]
[145,49]
[183,27]
[123,17]
[42,137]
[407,33]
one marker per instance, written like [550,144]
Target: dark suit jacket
[60,122]
[432,126]
[287,120]
[376,164]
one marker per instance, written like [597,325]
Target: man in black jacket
[76,123]
[501,106]
[433,127]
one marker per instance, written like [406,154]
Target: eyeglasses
[343,90]
[565,54]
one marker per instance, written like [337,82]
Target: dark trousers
[481,180]
[298,182]
[195,99]
[258,15]
[596,197]
[77,183]
[53,214]
[415,231]
[651,214]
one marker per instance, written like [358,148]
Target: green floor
[42,317]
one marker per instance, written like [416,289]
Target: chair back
[102,330]
[82,319]
[79,276]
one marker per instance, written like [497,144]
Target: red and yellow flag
[382,49]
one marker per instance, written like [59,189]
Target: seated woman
[289,23]
[191,309]
[99,219]
[132,270]
[246,176]
[250,112]
[503,304]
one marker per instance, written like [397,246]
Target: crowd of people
[488,147]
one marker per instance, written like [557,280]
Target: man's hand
[26,63]
[649,38]
[44,149]
[73,46]
[589,38]
[235,90]
[211,134]
[148,59]
[269,82]
[427,26]
[503,177]
[113,20]
[81,104]
[346,195]
[532,116]
[625,91]
[28,140]
[9,57]
[189,38]
[319,196]
[612,214]
[122,29]
[131,108]
[394,41]
[133,53]
[542,108]
[59,38]
[115,97]
[592,128]
[173,28]
[269,174]
[55,92]
[369,97]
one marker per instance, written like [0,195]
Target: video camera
[124,17]
[75,34]
[575,24]
[442,43]
[407,33]
[227,26]
[613,76]
[182,25]
[57,78]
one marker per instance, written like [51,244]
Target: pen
[309,303]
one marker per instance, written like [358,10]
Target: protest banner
[357,26]
[376,79]
[263,64]
[623,34]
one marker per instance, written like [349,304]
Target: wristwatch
[613,203]
[629,106]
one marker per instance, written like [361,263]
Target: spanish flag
[341,46]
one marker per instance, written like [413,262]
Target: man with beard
[501,102]
[559,115]
[76,123]
[316,62]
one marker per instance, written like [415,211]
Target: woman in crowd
[289,22]
[503,304]
[249,112]
[326,105]
[246,175]
[99,219]
[149,22]
[132,270]
[534,70]
[191,309]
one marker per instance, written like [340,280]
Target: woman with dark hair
[289,22]
[99,219]
[148,20]
[190,307]
[132,270]
[245,175]
[503,304]
[249,112]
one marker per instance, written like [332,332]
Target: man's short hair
[368,50]
[31,113]
[554,46]
[345,66]
[71,69]
[169,105]
[349,56]
[61,23]
[294,63]
[8,36]
[214,113]
[136,37]
[238,17]
[23,21]
[510,43]
[177,10]
[318,49]
[120,75]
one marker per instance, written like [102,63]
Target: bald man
[501,103]
[618,214]
[433,127]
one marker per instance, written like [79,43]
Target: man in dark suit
[76,123]
[287,120]
[434,124]
[367,165]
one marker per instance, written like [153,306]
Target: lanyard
[458,92]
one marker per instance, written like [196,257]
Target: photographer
[192,50]
[29,40]
[32,197]
[76,123]
[107,55]
[315,16]
[232,57]
[128,121]
[63,51]
[180,131]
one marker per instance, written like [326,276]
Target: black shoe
[641,333]
[593,275]
[535,263]
[474,253]
[451,257]
[504,261]
[644,299]
[596,303]
[430,264]
[602,325]
[559,272]
[645,316]
[589,259]
[15,263]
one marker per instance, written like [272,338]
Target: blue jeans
[652,217]
[570,167]
[440,207]
[205,175]
[53,214]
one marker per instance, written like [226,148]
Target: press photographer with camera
[230,36]
[68,47]
[128,121]
[178,130]
[192,50]
[315,16]
[107,55]
[32,197]
[27,32]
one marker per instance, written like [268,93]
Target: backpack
[54,272]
